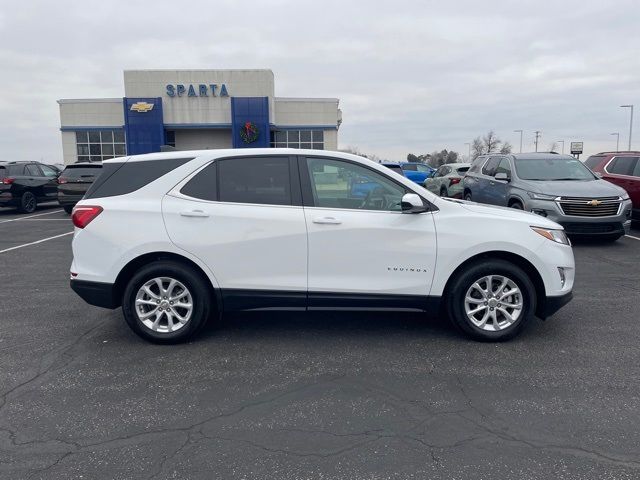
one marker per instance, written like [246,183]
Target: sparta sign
[576,148]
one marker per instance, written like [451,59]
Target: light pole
[520,139]
[562,142]
[469,145]
[630,122]
[537,132]
[617,134]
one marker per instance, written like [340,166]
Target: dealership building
[195,109]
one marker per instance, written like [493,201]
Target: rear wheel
[28,203]
[467,196]
[68,209]
[491,300]
[443,192]
[166,302]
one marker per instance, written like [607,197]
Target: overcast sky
[411,76]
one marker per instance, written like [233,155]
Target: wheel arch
[514,258]
[138,262]
[515,198]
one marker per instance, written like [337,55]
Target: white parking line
[30,216]
[33,243]
[631,236]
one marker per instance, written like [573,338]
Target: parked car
[623,169]
[415,171]
[173,238]
[74,181]
[447,180]
[24,184]
[558,187]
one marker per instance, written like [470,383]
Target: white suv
[175,238]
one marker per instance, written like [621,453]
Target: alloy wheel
[493,303]
[164,305]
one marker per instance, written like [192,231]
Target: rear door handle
[194,213]
[327,220]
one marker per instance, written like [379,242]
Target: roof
[626,152]
[539,155]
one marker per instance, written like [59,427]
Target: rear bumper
[65,200]
[551,305]
[98,294]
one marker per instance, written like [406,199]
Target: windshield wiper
[562,179]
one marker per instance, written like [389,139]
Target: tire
[68,209]
[443,192]
[467,197]
[492,330]
[28,203]
[199,295]
[517,205]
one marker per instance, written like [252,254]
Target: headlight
[557,236]
[541,196]
[624,196]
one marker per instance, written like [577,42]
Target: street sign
[576,148]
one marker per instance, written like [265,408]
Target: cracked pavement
[314,396]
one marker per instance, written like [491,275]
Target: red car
[621,168]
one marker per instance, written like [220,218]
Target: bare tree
[491,142]
[506,148]
[477,148]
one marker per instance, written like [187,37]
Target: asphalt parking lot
[355,396]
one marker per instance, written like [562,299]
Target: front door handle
[327,220]
[194,213]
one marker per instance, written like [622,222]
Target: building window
[298,139]
[170,138]
[98,145]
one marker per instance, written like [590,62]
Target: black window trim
[307,190]
[294,179]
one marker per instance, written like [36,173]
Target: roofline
[306,99]
[90,100]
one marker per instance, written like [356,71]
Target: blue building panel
[143,125]
[254,110]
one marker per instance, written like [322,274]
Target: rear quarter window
[120,178]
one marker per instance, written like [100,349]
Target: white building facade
[195,109]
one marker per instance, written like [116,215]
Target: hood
[507,213]
[573,188]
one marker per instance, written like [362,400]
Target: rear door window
[48,171]
[491,166]
[622,165]
[33,170]
[262,180]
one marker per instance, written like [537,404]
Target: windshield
[552,169]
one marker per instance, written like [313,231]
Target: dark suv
[74,181]
[621,168]
[24,184]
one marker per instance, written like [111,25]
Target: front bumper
[551,305]
[98,294]
[584,226]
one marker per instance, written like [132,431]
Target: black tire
[28,203]
[517,205]
[68,209]
[192,280]
[467,197]
[460,284]
[443,192]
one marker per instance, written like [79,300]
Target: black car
[74,182]
[24,184]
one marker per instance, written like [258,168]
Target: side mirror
[502,176]
[412,203]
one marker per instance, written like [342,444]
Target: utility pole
[520,139]
[617,134]
[538,135]
[469,145]
[630,122]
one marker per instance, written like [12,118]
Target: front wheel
[516,205]
[467,196]
[492,300]
[166,302]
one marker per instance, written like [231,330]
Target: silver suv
[558,187]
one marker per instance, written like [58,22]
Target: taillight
[83,215]
[7,181]
[62,180]
[453,181]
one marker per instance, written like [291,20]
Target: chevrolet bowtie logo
[142,107]
[594,203]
